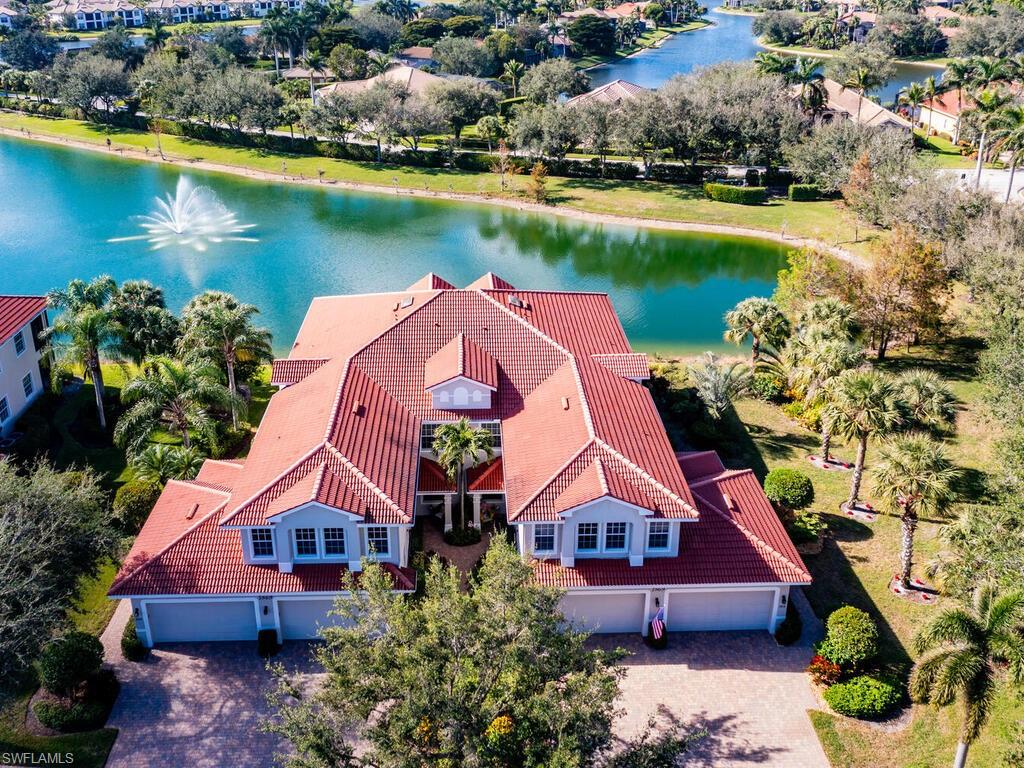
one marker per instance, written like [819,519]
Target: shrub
[266,643]
[791,628]
[851,637]
[823,671]
[803,193]
[795,409]
[462,537]
[64,716]
[38,435]
[789,488]
[66,663]
[810,417]
[133,502]
[767,387]
[131,647]
[864,696]
[725,193]
[806,527]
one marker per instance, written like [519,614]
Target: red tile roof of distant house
[951,103]
[615,92]
[18,311]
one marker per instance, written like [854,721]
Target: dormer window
[461,375]
[657,535]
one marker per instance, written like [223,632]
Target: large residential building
[86,15]
[341,469]
[846,104]
[22,320]
[613,94]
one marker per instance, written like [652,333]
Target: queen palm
[770,63]
[315,64]
[957,77]
[81,338]
[807,74]
[157,34]
[987,105]
[274,33]
[860,404]
[861,80]
[217,328]
[913,475]
[963,650]
[987,71]
[913,96]
[931,92]
[929,401]
[1009,124]
[511,73]
[172,394]
[459,446]
[758,319]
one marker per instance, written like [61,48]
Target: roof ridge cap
[647,476]
[169,544]
[713,476]
[757,540]
[599,466]
[224,462]
[364,479]
[266,486]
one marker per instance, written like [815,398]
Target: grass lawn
[942,152]
[94,609]
[89,750]
[858,560]
[822,220]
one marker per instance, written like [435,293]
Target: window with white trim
[305,542]
[615,536]
[427,436]
[262,542]
[494,427]
[334,542]
[377,540]
[544,537]
[27,385]
[5,410]
[657,534]
[586,537]
[19,343]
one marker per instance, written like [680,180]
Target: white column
[568,543]
[403,547]
[637,542]
[447,512]
[477,498]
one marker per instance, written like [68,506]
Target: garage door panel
[714,611]
[201,621]
[300,619]
[605,613]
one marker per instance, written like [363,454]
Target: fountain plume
[192,217]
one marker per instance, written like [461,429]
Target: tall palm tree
[80,295]
[511,73]
[807,74]
[957,77]
[963,649]
[858,405]
[987,104]
[931,92]
[157,34]
[82,338]
[771,63]
[987,71]
[759,319]
[822,360]
[861,80]
[315,64]
[459,446]
[913,475]
[219,329]
[928,399]
[274,34]
[1009,124]
[172,393]
[913,96]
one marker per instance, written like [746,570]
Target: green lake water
[59,208]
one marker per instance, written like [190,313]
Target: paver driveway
[198,706]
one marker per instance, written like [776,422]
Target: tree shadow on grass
[956,360]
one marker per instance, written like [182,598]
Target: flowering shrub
[823,671]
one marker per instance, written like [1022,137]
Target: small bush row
[864,696]
[803,193]
[726,193]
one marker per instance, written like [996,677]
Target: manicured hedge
[131,647]
[133,502]
[64,716]
[789,488]
[864,696]
[725,193]
[803,193]
[69,661]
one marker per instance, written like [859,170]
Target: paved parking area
[199,706]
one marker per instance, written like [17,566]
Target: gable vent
[515,301]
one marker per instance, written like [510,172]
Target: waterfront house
[943,112]
[414,81]
[613,93]
[846,104]
[341,469]
[22,320]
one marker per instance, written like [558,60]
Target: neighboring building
[614,93]
[183,11]
[303,73]
[7,16]
[417,56]
[943,112]
[847,104]
[87,15]
[22,320]
[341,468]
[415,81]
[618,13]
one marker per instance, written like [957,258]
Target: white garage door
[720,610]
[301,618]
[194,621]
[605,613]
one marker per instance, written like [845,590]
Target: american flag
[658,624]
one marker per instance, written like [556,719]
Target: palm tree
[80,295]
[81,338]
[861,80]
[315,64]
[771,63]
[759,319]
[178,394]
[217,328]
[377,64]
[822,360]
[988,70]
[931,92]
[929,401]
[719,384]
[913,96]
[988,105]
[913,476]
[859,404]
[459,446]
[157,34]
[160,463]
[830,316]
[963,650]
[1010,126]
[957,77]
[274,33]
[807,74]
[511,73]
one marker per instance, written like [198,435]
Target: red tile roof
[487,478]
[16,312]
[488,281]
[293,370]
[630,365]
[432,479]
[460,357]
[430,281]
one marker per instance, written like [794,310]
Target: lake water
[729,39]
[60,207]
